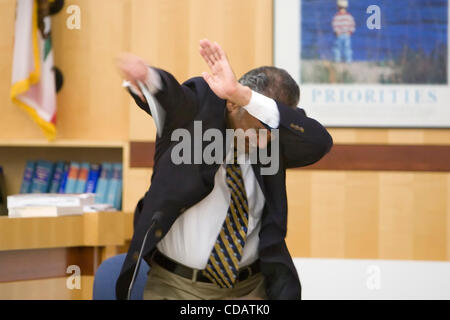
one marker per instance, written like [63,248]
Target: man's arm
[303,140]
[179,101]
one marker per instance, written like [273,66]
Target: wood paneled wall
[369,215]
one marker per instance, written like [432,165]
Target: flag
[33,79]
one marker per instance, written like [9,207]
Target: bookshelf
[15,153]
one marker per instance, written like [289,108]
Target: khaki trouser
[165,285]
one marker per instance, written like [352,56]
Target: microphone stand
[155,220]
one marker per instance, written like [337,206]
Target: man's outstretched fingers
[218,52]
[206,53]
[222,52]
[207,46]
[206,57]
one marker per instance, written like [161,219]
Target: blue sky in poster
[417,24]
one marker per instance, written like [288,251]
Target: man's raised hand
[133,69]
[222,80]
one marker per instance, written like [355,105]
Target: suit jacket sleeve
[303,141]
[180,101]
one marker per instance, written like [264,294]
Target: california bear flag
[33,79]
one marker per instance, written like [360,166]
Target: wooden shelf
[90,229]
[62,143]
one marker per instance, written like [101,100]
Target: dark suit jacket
[175,188]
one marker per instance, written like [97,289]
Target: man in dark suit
[222,226]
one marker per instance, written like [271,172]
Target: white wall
[373,279]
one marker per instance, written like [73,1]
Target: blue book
[65,176]
[103,183]
[94,174]
[57,177]
[72,177]
[118,197]
[115,186]
[82,177]
[28,177]
[42,176]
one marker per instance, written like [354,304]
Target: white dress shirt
[193,235]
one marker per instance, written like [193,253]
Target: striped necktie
[222,267]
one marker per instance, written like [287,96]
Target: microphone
[155,221]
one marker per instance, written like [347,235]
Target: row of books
[105,180]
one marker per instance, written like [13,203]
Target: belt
[197,275]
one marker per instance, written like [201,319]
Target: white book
[44,211]
[158,113]
[51,200]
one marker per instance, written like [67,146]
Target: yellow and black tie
[222,267]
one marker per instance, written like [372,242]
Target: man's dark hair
[273,82]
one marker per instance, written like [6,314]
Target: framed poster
[367,63]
